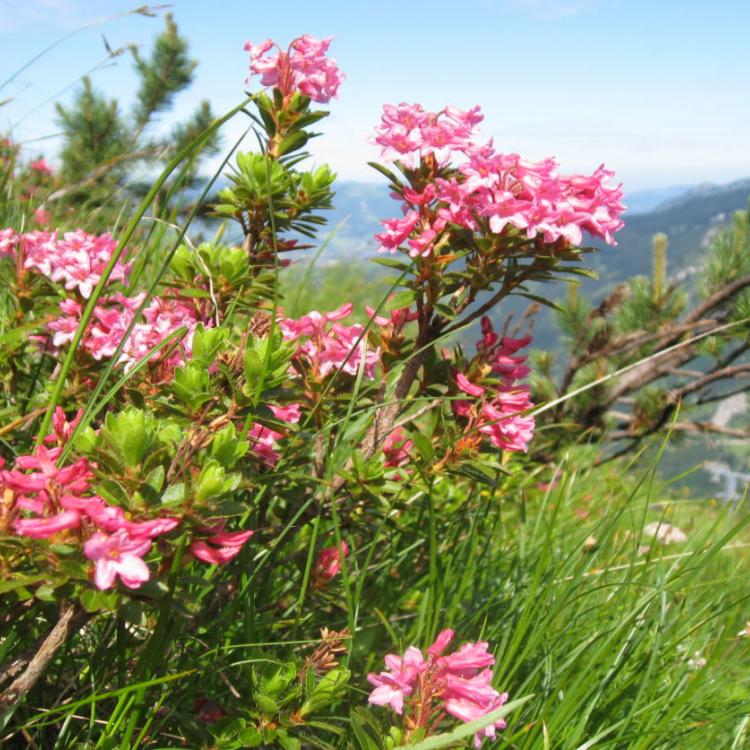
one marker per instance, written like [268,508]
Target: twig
[72,617]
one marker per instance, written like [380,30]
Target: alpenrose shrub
[230,421]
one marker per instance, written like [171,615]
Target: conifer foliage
[103,144]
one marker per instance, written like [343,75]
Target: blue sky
[657,90]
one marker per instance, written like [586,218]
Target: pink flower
[41,166]
[290,413]
[118,555]
[226,546]
[468,710]
[489,190]
[469,658]
[8,242]
[314,323]
[62,429]
[46,476]
[151,528]
[328,564]
[457,684]
[392,686]
[396,448]
[467,386]
[330,346]
[76,260]
[41,528]
[304,67]
[263,443]
[42,216]
[509,432]
[113,316]
[441,643]
[397,320]
[64,328]
[397,232]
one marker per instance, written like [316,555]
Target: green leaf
[424,446]
[174,494]
[250,737]
[93,600]
[402,299]
[19,581]
[155,478]
[226,448]
[326,690]
[367,731]
[392,263]
[207,343]
[192,385]
[131,434]
[384,171]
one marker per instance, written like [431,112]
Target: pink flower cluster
[264,440]
[114,314]
[409,133]
[56,499]
[487,190]
[330,346]
[496,409]
[76,260]
[458,684]
[304,67]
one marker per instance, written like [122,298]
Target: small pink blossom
[41,528]
[120,555]
[42,216]
[290,413]
[467,386]
[328,563]
[399,681]
[62,429]
[397,318]
[488,190]
[221,547]
[441,642]
[397,232]
[76,260]
[303,68]
[263,443]
[41,166]
[9,240]
[396,448]
[329,345]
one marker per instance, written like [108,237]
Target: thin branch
[722,374]
[710,427]
[72,617]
